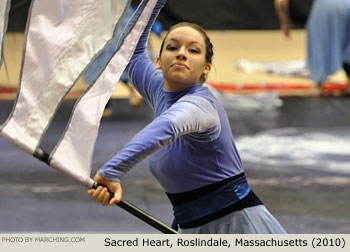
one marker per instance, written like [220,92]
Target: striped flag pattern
[62,39]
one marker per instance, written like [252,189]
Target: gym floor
[297,157]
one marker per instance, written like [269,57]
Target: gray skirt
[251,220]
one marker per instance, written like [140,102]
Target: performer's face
[182,60]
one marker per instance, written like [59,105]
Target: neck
[177,86]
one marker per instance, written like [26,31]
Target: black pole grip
[137,212]
[41,155]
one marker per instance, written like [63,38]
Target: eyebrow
[191,42]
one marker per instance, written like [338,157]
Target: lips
[179,65]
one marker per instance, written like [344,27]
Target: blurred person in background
[328,37]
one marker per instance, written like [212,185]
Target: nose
[181,54]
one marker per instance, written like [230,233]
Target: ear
[158,63]
[207,68]
[205,72]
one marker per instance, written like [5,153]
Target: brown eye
[171,48]
[193,50]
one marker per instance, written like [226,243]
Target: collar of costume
[173,96]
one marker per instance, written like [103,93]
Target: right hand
[101,194]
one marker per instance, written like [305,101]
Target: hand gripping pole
[142,215]
[137,212]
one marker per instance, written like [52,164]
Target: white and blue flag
[62,39]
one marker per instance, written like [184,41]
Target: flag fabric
[73,154]
[62,37]
[100,62]
[4,11]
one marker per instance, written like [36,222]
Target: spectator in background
[328,37]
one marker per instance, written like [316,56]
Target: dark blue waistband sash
[228,194]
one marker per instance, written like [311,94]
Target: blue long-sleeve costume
[189,143]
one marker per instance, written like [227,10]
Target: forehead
[186,34]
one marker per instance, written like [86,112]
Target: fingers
[117,198]
[100,194]
[285,27]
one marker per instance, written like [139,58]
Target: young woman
[189,144]
[328,42]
